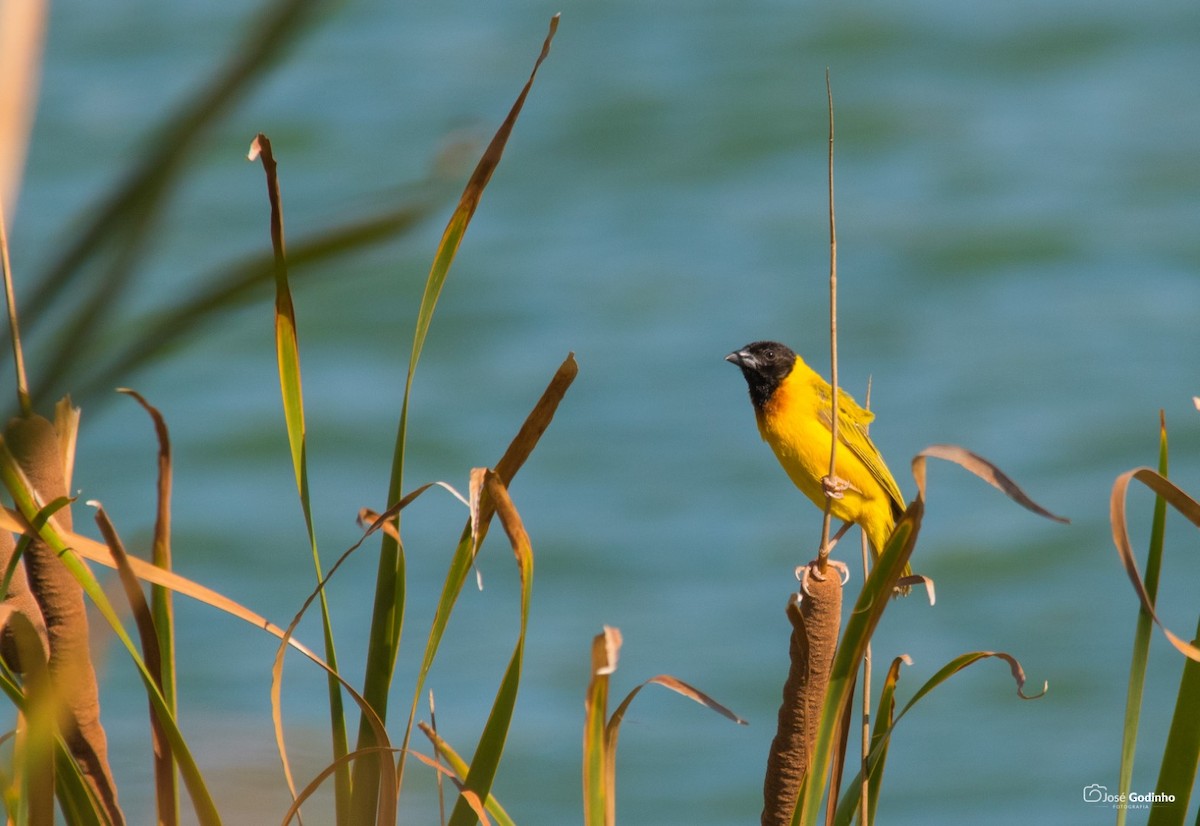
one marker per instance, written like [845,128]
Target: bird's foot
[835,487]
[813,571]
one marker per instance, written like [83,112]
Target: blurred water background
[1018,195]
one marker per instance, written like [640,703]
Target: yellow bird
[793,407]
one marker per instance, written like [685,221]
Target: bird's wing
[852,432]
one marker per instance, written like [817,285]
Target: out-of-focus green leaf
[119,231]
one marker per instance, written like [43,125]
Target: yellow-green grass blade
[880,737]
[486,759]
[1182,752]
[163,612]
[459,767]
[117,232]
[599,805]
[388,612]
[873,599]
[877,753]
[387,616]
[1141,634]
[76,799]
[287,350]
[19,489]
[23,543]
[293,812]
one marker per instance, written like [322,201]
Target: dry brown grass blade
[164,759]
[1177,499]
[387,778]
[527,437]
[469,796]
[161,604]
[691,692]
[982,468]
[374,522]
[293,812]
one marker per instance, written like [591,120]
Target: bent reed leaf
[600,735]
[887,725]
[982,468]
[379,522]
[1143,630]
[1178,500]
[486,758]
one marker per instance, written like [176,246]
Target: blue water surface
[1017,187]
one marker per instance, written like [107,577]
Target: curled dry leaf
[1177,499]
[606,649]
[982,468]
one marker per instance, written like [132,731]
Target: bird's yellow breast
[790,421]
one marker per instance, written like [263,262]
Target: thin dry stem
[823,554]
[14,329]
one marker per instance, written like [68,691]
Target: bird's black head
[764,364]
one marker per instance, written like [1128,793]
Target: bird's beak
[741,358]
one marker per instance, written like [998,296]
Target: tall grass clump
[1168,803]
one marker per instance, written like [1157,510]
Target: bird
[793,408]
